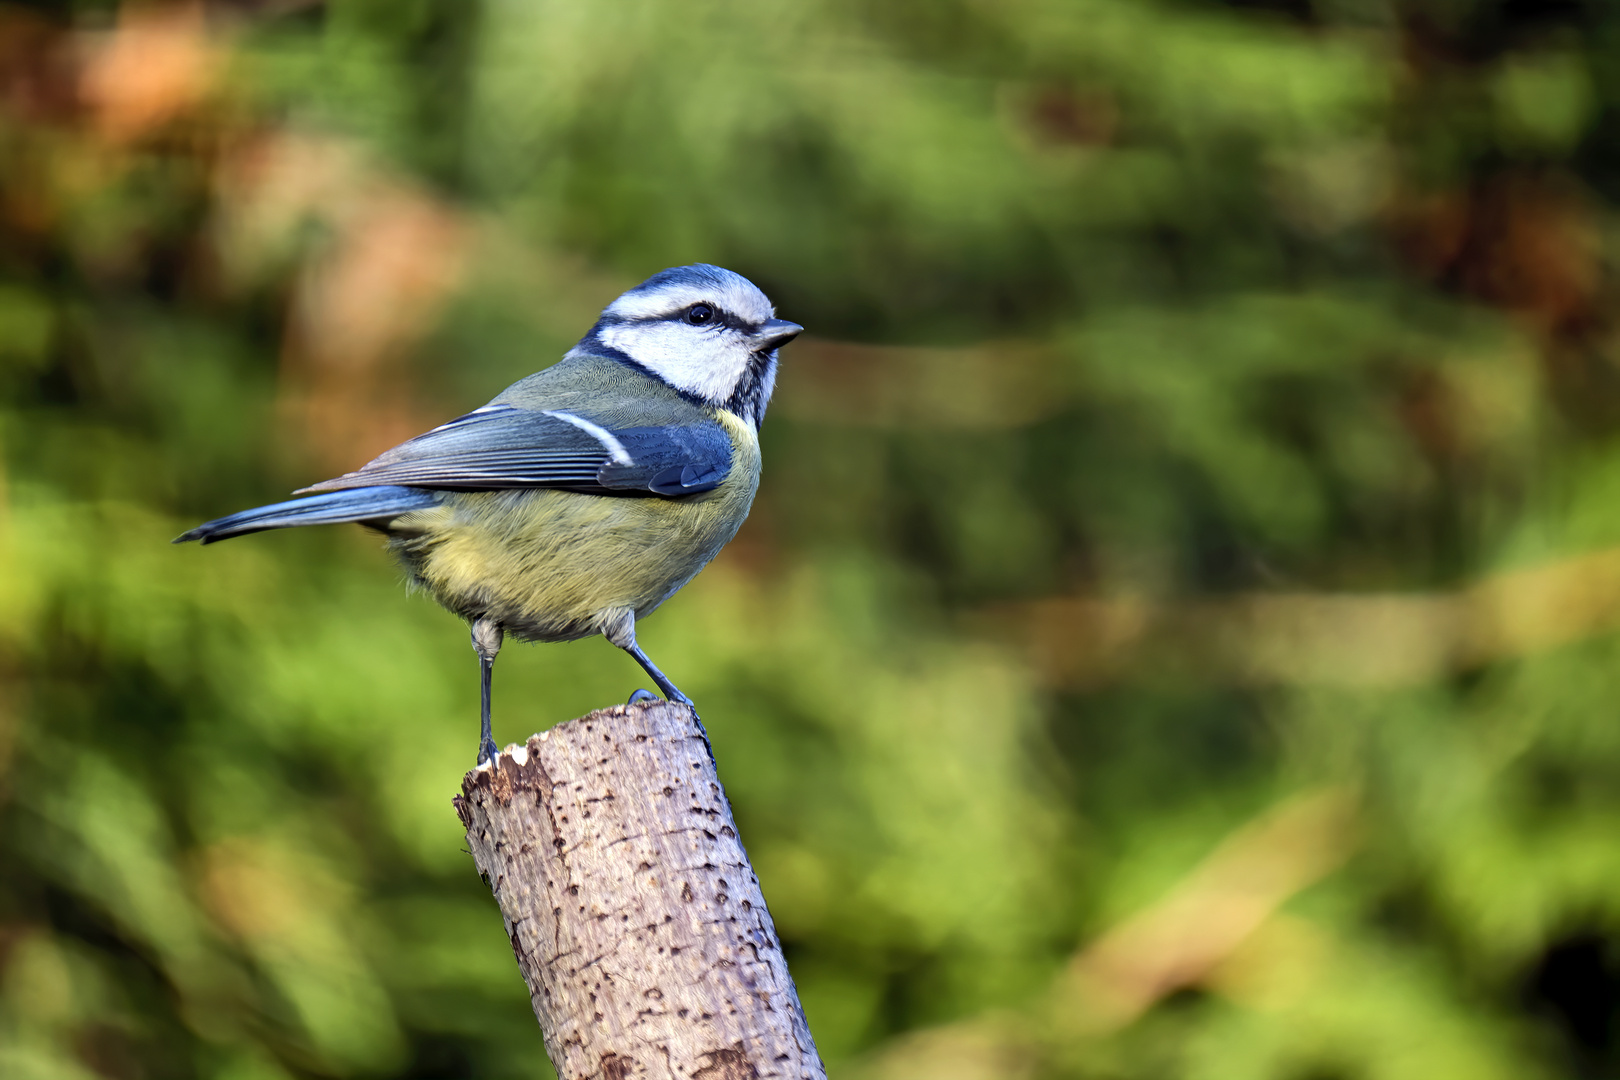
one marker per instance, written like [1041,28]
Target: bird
[583,496]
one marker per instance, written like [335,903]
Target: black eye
[698,314]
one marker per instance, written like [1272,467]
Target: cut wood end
[518,753]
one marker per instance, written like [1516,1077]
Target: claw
[641,697]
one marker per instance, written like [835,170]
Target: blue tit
[583,496]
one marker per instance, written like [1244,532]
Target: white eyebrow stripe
[609,441]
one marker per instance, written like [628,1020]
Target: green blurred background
[1176,636]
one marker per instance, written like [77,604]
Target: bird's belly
[558,565]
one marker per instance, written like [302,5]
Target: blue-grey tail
[356,504]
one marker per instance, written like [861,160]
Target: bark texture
[635,916]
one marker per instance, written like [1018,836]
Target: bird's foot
[487,751]
[681,699]
[703,731]
[642,697]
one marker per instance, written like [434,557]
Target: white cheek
[700,362]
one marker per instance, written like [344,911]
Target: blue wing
[505,446]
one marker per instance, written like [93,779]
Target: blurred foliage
[1176,634]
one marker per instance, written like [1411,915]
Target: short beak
[775,334]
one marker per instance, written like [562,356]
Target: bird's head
[707,332]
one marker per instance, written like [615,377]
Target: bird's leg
[670,690]
[486,640]
[623,634]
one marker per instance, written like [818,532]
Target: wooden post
[635,916]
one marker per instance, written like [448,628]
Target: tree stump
[636,918]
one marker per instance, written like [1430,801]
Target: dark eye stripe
[721,317]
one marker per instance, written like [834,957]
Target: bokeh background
[1176,636]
